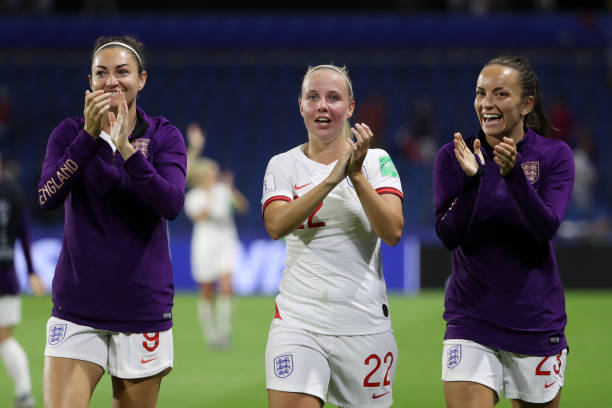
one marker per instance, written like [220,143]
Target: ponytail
[530,86]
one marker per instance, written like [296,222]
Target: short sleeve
[277,181]
[382,173]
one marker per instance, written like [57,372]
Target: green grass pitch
[235,377]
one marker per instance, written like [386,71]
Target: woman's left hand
[505,155]
[119,128]
[363,135]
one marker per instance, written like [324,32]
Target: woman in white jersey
[210,204]
[333,199]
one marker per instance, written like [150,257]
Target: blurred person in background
[120,175]
[333,199]
[210,204]
[587,219]
[499,198]
[14,225]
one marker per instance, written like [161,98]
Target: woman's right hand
[97,103]
[465,157]
[196,137]
[338,173]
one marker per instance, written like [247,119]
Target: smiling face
[114,69]
[500,108]
[325,104]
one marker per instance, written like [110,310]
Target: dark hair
[125,39]
[530,86]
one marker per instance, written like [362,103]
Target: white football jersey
[215,236]
[333,280]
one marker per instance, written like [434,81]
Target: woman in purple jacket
[499,199]
[120,175]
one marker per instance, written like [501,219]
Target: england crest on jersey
[453,356]
[56,334]
[283,365]
[531,170]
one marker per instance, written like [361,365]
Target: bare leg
[467,394]
[5,333]
[69,383]
[225,284]
[281,399]
[138,392]
[207,291]
[551,404]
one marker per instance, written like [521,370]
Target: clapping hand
[363,138]
[196,137]
[119,128]
[97,103]
[505,155]
[467,158]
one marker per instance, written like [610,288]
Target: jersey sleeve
[69,150]
[382,173]
[542,212]
[455,198]
[161,184]
[277,182]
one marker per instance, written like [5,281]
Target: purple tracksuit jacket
[114,271]
[504,290]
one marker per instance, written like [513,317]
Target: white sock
[16,362]
[207,320]
[224,317]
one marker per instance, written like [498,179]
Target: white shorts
[125,355]
[10,310]
[213,258]
[348,371]
[529,378]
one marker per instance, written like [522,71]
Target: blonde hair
[197,168]
[343,71]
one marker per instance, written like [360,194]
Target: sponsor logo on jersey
[283,365]
[142,145]
[531,170]
[387,168]
[453,356]
[554,340]
[269,184]
[56,334]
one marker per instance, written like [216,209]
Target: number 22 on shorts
[377,363]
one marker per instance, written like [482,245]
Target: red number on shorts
[538,368]
[387,381]
[555,367]
[366,380]
[154,338]
[311,223]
